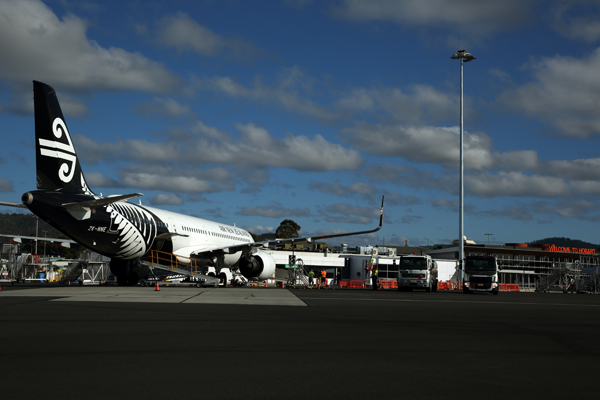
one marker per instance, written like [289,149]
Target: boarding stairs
[589,283]
[563,276]
[73,271]
[178,265]
[298,277]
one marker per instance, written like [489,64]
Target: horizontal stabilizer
[10,204]
[101,202]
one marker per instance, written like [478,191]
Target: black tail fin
[57,165]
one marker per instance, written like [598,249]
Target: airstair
[562,276]
[179,265]
[590,281]
[73,271]
[298,277]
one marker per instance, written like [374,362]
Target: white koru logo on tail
[52,148]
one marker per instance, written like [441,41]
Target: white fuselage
[196,234]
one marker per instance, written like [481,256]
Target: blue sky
[255,112]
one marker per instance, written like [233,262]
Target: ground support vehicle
[480,274]
[417,272]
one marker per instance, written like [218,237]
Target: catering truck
[417,272]
[480,274]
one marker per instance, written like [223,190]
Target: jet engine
[260,265]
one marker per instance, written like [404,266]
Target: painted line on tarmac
[451,301]
[238,296]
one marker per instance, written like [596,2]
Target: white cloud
[416,143]
[346,213]
[577,19]
[358,188]
[518,213]
[565,95]
[34,42]
[165,106]
[166,199]
[294,91]
[296,152]
[255,148]
[168,179]
[99,180]
[275,210]
[171,183]
[259,229]
[581,169]
[291,91]
[587,187]
[461,15]
[5,185]
[516,184]
[185,34]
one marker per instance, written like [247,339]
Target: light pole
[463,56]
[488,235]
[45,235]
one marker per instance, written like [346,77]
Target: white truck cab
[480,274]
[417,272]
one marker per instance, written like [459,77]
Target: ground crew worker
[375,277]
[324,278]
[311,275]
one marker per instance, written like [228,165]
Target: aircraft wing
[204,251]
[312,238]
[64,242]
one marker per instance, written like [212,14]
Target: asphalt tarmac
[74,342]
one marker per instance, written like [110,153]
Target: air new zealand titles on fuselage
[124,231]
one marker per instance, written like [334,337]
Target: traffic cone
[157,288]
[69,283]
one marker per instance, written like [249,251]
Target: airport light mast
[463,56]
[488,235]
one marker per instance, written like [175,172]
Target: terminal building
[531,266]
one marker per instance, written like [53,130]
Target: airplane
[125,231]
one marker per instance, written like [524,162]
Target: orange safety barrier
[394,284]
[358,284]
[443,286]
[344,284]
[385,284]
[508,287]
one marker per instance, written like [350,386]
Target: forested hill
[567,242]
[25,225]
